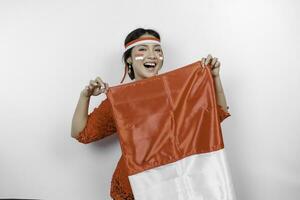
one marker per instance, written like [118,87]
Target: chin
[150,75]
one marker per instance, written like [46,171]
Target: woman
[143,58]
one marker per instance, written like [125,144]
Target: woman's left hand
[214,64]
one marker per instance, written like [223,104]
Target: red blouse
[100,123]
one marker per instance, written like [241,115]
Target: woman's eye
[142,49]
[159,50]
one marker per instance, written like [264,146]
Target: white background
[49,50]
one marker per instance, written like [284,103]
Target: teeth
[152,64]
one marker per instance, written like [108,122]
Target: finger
[218,64]
[213,62]
[102,90]
[99,81]
[106,86]
[208,59]
[93,83]
[91,87]
[96,90]
[203,62]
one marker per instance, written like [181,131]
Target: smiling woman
[143,58]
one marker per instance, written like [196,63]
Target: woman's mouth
[150,66]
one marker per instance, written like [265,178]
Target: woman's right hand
[95,88]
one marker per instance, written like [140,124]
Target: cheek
[139,56]
[160,56]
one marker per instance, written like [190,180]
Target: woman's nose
[151,54]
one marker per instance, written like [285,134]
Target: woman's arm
[80,115]
[221,100]
[215,69]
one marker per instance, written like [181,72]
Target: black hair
[133,35]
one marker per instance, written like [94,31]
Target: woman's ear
[129,60]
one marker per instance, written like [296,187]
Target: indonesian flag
[170,136]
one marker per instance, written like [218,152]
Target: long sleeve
[222,114]
[100,124]
[120,186]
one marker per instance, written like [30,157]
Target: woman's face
[146,59]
